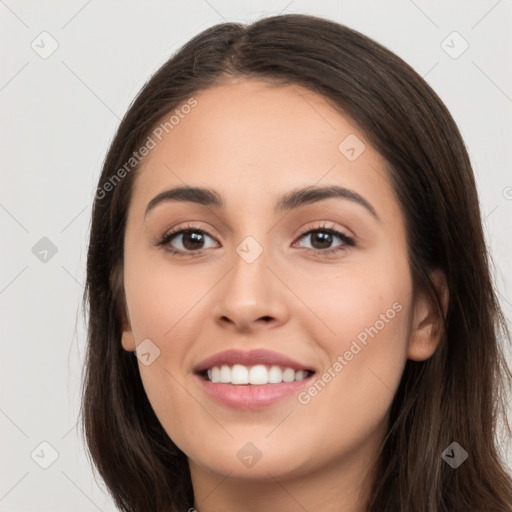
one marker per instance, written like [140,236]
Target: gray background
[60,112]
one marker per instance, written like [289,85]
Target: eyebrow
[289,201]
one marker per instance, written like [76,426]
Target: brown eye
[322,238]
[192,240]
[185,241]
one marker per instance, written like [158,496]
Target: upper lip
[250,358]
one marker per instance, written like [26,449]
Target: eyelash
[167,238]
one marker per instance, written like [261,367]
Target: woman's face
[263,269]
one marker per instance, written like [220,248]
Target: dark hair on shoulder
[459,394]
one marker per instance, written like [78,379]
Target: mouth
[251,380]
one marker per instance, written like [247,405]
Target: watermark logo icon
[351,147]
[44,45]
[454,45]
[44,455]
[44,250]
[454,455]
[249,249]
[249,455]
[147,352]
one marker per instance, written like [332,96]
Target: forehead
[253,139]
[252,121]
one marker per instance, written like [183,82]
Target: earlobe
[427,324]
[128,341]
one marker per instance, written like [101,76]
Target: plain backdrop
[69,71]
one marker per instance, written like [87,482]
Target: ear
[427,325]
[116,284]
[127,339]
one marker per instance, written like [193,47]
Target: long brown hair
[458,395]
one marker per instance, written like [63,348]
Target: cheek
[160,300]
[362,323]
[360,300]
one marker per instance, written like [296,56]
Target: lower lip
[250,397]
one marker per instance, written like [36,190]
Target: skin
[252,142]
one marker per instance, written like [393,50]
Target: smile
[257,375]
[251,380]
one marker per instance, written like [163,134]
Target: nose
[251,297]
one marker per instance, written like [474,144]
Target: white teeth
[275,375]
[301,374]
[225,374]
[256,375]
[239,374]
[289,375]
[215,374]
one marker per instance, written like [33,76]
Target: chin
[247,461]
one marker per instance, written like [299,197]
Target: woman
[286,233]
